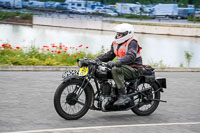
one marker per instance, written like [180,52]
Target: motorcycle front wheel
[71,100]
[148,100]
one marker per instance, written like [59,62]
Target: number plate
[83,71]
[69,73]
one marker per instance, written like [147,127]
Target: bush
[33,52]
[26,16]
[6,15]
[47,55]
[33,61]
[192,18]
[50,62]
[134,16]
[16,60]
[137,16]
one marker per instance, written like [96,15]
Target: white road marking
[103,127]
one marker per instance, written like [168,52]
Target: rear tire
[66,105]
[152,94]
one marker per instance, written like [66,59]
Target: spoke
[63,101]
[67,90]
[146,107]
[66,108]
[64,93]
[71,111]
[63,96]
[75,107]
[141,104]
[135,99]
[81,99]
[63,104]
[72,107]
[69,108]
[80,103]
[72,88]
[79,106]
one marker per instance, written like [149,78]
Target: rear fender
[161,82]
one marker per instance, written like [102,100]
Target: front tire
[147,102]
[66,103]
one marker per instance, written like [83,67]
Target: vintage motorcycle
[77,94]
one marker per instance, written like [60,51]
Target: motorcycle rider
[127,51]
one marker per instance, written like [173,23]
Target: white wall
[101,25]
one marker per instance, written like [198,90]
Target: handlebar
[86,62]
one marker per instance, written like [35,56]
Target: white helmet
[126,29]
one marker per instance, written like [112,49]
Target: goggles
[122,33]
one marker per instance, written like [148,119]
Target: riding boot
[123,99]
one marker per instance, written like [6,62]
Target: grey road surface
[26,104]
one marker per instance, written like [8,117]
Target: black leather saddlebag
[146,70]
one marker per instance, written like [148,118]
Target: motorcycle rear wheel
[66,103]
[148,101]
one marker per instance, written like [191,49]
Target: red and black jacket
[128,53]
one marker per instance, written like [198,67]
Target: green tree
[196,3]
[183,3]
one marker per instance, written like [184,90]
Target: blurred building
[11,3]
[82,4]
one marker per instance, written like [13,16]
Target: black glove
[117,63]
[97,60]
[111,64]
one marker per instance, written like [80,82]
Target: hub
[71,98]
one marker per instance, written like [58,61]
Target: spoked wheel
[71,101]
[148,100]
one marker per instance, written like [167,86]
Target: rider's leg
[120,74]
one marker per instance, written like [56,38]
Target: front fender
[71,78]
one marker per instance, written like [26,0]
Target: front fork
[80,91]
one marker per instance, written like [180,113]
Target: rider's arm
[130,56]
[110,55]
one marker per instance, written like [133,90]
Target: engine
[106,96]
[106,88]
